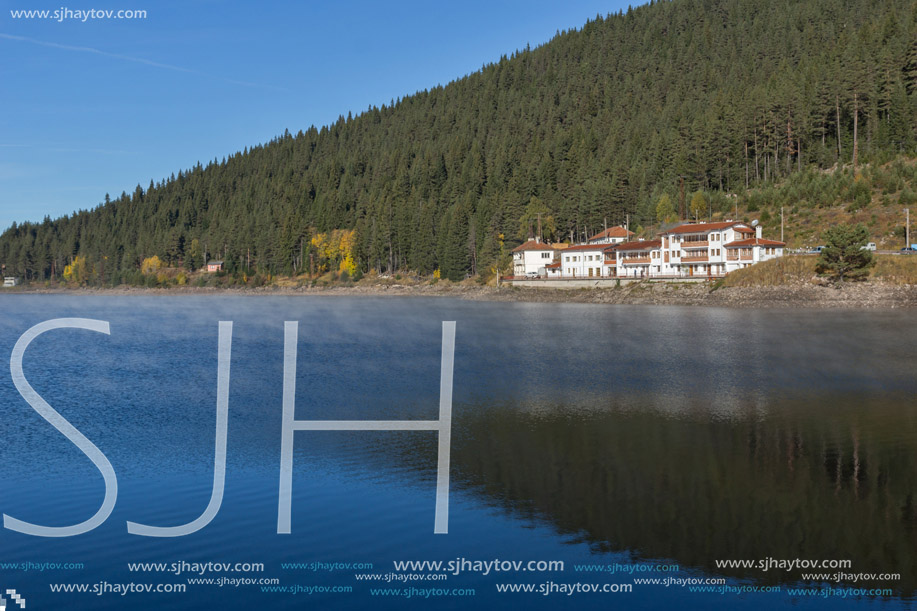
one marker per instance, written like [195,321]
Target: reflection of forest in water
[828,479]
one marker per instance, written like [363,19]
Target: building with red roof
[531,258]
[690,250]
[612,235]
[713,249]
[588,261]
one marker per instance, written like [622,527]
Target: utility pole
[781,224]
[907,227]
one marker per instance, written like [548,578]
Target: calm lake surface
[594,435]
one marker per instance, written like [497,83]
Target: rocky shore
[850,295]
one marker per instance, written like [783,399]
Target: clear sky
[98,106]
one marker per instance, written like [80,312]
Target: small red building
[215,266]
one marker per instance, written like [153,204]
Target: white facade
[637,259]
[743,253]
[688,251]
[9,281]
[712,249]
[587,261]
[532,258]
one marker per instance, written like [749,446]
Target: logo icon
[16,599]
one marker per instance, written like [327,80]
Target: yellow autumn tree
[319,243]
[346,248]
[335,249]
[78,270]
[150,266]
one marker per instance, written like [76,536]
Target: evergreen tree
[844,256]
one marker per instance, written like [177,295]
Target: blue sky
[98,106]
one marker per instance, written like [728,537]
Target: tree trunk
[789,144]
[776,157]
[837,108]
[746,163]
[757,171]
[856,115]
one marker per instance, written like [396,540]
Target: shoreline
[793,296]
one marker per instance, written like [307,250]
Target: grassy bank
[890,269]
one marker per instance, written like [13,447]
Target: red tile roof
[744,229]
[639,245]
[701,227]
[590,247]
[753,242]
[553,265]
[533,245]
[612,232]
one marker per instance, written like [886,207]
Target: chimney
[758,231]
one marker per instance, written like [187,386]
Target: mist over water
[589,434]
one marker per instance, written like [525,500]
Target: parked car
[908,250]
[871,246]
[531,274]
[818,249]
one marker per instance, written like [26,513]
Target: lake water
[647,439]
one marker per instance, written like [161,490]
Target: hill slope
[594,125]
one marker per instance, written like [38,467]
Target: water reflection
[827,477]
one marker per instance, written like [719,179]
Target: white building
[743,253]
[612,235]
[9,281]
[587,261]
[712,249]
[638,259]
[691,250]
[532,257]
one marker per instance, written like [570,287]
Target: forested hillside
[671,97]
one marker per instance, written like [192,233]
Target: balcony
[694,259]
[743,257]
[633,260]
[698,244]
